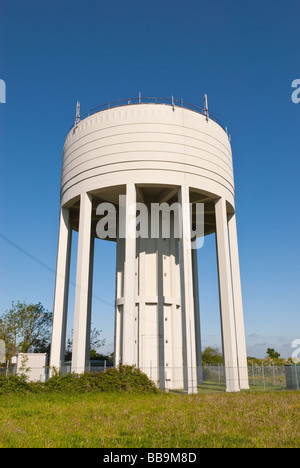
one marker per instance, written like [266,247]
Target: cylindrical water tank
[151,153]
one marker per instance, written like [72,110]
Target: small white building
[33,365]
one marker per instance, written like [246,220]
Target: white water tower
[150,152]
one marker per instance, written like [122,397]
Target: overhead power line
[52,270]
[47,267]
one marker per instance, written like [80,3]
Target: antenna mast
[205,107]
[77,113]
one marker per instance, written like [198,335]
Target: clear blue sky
[244,55]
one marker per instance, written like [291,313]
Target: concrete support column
[226,301]
[161,316]
[89,309]
[60,307]
[187,297]
[197,317]
[238,304]
[119,307]
[82,285]
[129,343]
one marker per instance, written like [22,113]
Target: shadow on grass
[206,387]
[211,386]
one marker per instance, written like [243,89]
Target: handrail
[150,100]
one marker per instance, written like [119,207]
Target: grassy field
[270,419]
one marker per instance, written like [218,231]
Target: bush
[124,379]
[17,384]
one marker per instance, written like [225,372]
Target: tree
[26,328]
[95,343]
[211,356]
[272,353]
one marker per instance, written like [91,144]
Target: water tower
[126,158]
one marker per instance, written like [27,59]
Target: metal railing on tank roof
[179,103]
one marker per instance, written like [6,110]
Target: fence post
[263,374]
[253,374]
[296,375]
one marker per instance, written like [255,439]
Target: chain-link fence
[208,378]
[216,377]
[260,377]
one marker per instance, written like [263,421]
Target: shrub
[127,379]
[123,379]
[17,384]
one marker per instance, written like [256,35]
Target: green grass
[246,419]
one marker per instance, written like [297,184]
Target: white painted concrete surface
[152,153]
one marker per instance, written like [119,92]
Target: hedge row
[124,379]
